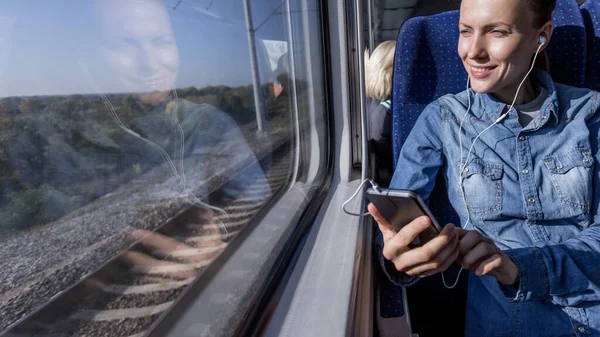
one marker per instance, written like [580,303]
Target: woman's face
[138,44]
[496,44]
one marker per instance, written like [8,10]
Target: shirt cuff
[533,276]
[396,277]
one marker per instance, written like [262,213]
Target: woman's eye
[163,42]
[465,32]
[497,32]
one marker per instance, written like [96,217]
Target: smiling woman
[519,154]
[496,45]
[141,57]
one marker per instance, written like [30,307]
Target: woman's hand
[433,257]
[161,251]
[481,256]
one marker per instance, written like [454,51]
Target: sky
[40,44]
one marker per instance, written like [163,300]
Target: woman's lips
[481,72]
[156,82]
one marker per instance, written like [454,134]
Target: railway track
[124,297]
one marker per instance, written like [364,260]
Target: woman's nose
[477,49]
[147,60]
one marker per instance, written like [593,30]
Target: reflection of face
[496,44]
[277,89]
[138,44]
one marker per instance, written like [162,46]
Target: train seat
[590,11]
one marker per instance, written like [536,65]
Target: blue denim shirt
[532,190]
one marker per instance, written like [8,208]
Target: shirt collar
[492,108]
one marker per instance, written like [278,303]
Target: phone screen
[399,208]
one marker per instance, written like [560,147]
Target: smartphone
[400,207]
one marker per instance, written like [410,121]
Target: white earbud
[543,40]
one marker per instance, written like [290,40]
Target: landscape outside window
[132,121]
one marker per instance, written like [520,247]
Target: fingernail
[424,220]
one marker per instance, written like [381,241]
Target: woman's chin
[482,88]
[155,97]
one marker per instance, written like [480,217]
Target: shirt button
[581,329]
[531,200]
[521,137]
[525,171]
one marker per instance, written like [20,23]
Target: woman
[521,179]
[379,68]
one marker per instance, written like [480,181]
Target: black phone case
[400,207]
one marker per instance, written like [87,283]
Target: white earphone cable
[358,189]
[462,167]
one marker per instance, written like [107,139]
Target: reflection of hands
[164,255]
[434,256]
[481,256]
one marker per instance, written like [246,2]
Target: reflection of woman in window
[138,46]
[136,129]
[140,52]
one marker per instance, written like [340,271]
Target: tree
[31,105]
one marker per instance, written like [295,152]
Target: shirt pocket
[482,187]
[571,177]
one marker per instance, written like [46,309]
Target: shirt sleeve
[568,273]
[418,164]
[238,150]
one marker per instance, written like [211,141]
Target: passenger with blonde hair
[378,83]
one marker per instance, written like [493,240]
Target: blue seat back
[426,66]
[590,11]
[567,48]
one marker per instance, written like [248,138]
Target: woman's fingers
[489,265]
[469,240]
[145,264]
[480,252]
[400,242]
[163,246]
[386,229]
[409,233]
[435,255]
[156,241]
[196,215]
[461,232]
[443,267]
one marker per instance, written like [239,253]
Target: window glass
[140,133]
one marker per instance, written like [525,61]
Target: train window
[138,138]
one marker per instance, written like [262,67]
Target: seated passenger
[520,155]
[378,82]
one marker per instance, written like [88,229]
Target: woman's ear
[546,32]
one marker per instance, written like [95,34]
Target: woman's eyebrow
[492,24]
[497,23]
